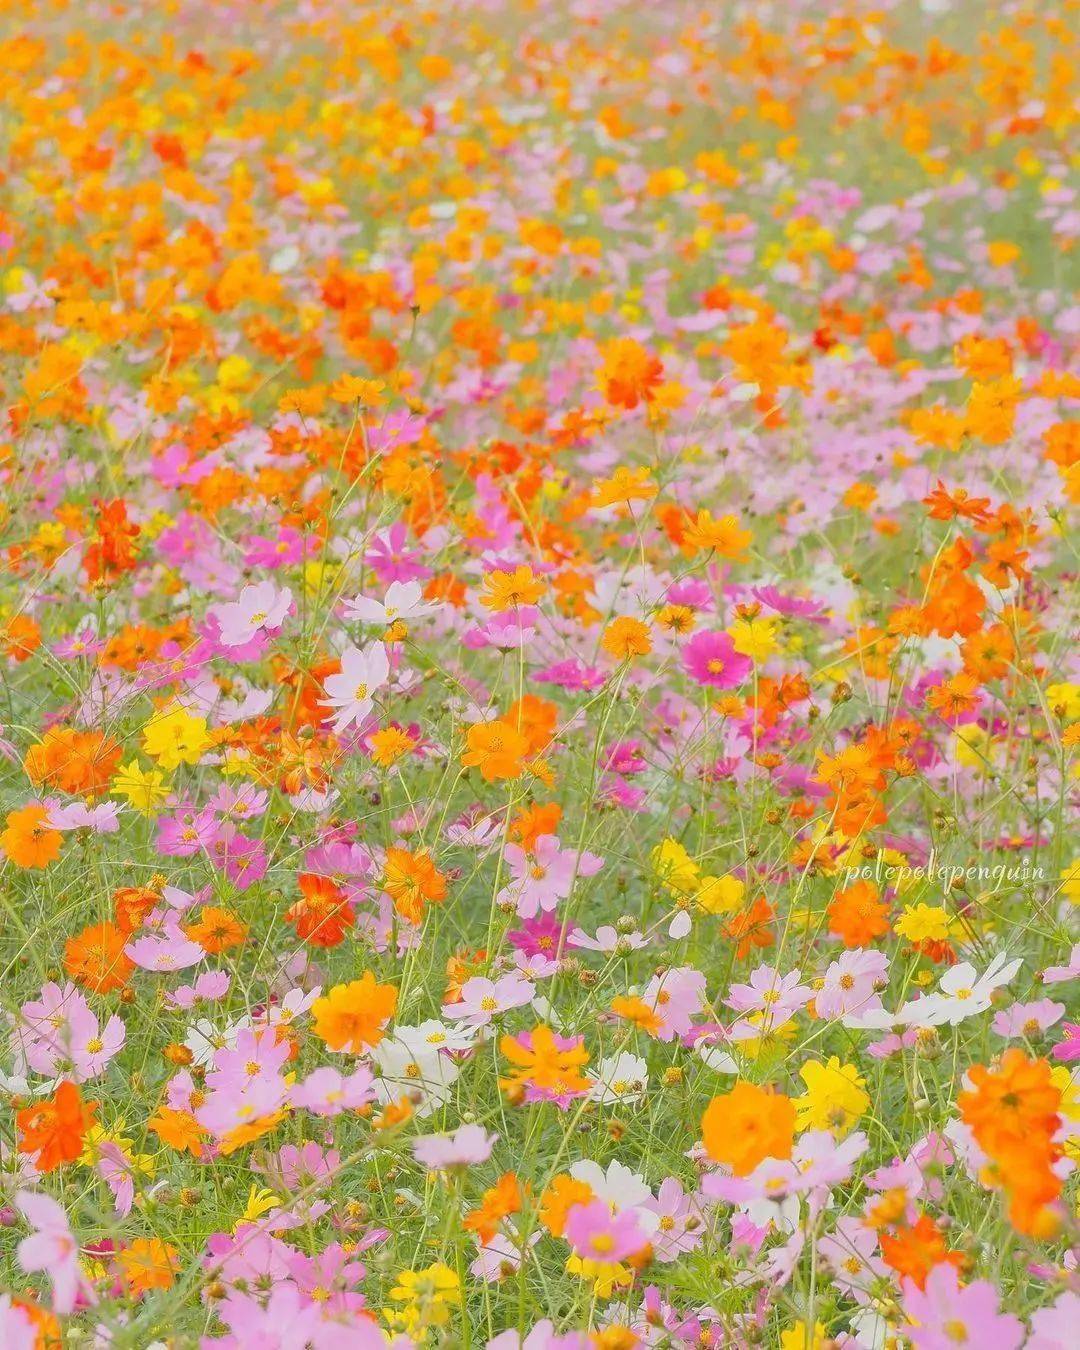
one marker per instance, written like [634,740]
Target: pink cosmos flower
[1027,1019]
[892,1044]
[17,1332]
[544,877]
[946,1313]
[543,1336]
[208,988]
[82,642]
[608,939]
[288,548]
[239,804]
[243,859]
[101,819]
[115,1169]
[330,1279]
[535,967]
[482,999]
[1055,1328]
[790,605]
[675,997]
[851,983]
[250,1257]
[539,936]
[294,1168]
[363,671]
[51,1248]
[851,1252]
[1060,974]
[501,1257]
[260,608]
[228,1108]
[711,658]
[468,1144]
[571,675]
[60,1031]
[286,1320]
[255,1057]
[817,1164]
[598,1235]
[186,832]
[769,991]
[624,757]
[681,1224]
[507,632]
[326,1092]
[168,949]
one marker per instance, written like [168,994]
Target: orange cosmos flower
[559,1198]
[954,696]
[625,637]
[725,536]
[53,1130]
[389,744]
[535,719]
[506,590]
[179,1129]
[629,374]
[496,1204]
[353,1016]
[637,1011]
[412,881]
[217,929]
[857,915]
[29,840]
[460,967]
[79,762]
[746,1125]
[495,748]
[113,551]
[1011,1103]
[751,928]
[541,1063]
[131,905]
[991,409]
[20,637]
[95,958]
[148,1263]
[624,486]
[537,819]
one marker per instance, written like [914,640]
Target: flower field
[538,675]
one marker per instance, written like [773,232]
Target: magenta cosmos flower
[711,658]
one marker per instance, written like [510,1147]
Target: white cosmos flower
[620,1078]
[426,1077]
[963,992]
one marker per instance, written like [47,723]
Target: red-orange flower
[323,915]
[52,1131]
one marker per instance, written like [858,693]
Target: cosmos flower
[350,693]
